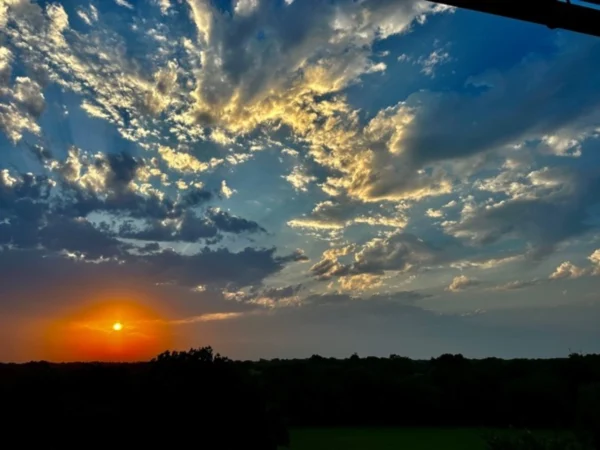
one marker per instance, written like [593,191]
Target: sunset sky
[278,178]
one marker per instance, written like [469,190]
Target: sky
[282,178]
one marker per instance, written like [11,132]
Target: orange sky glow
[92,334]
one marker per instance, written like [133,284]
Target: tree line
[208,398]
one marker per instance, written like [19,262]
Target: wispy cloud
[206,318]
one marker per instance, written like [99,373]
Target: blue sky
[284,178]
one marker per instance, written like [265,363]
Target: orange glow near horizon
[109,331]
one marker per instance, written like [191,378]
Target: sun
[108,330]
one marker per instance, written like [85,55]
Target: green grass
[387,439]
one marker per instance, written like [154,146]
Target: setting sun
[98,332]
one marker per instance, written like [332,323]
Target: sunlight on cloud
[185,162]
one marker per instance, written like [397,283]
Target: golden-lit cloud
[361,282]
[185,162]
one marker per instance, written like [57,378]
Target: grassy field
[387,439]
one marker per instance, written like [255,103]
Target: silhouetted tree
[224,404]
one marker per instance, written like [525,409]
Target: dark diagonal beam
[551,13]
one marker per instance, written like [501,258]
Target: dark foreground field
[386,439]
[397,438]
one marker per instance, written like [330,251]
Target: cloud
[399,252]
[124,4]
[164,5]
[361,282]
[398,302]
[107,184]
[462,282]
[595,261]
[79,238]
[487,263]
[51,214]
[259,298]
[298,179]
[312,51]
[89,16]
[142,279]
[447,125]
[21,104]
[567,270]
[545,208]
[276,297]
[185,162]
[232,224]
[112,88]
[386,159]
[434,213]
[325,215]
[329,265]
[434,59]
[188,228]
[214,268]
[330,215]
[241,87]
[209,317]
[226,190]
[330,49]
